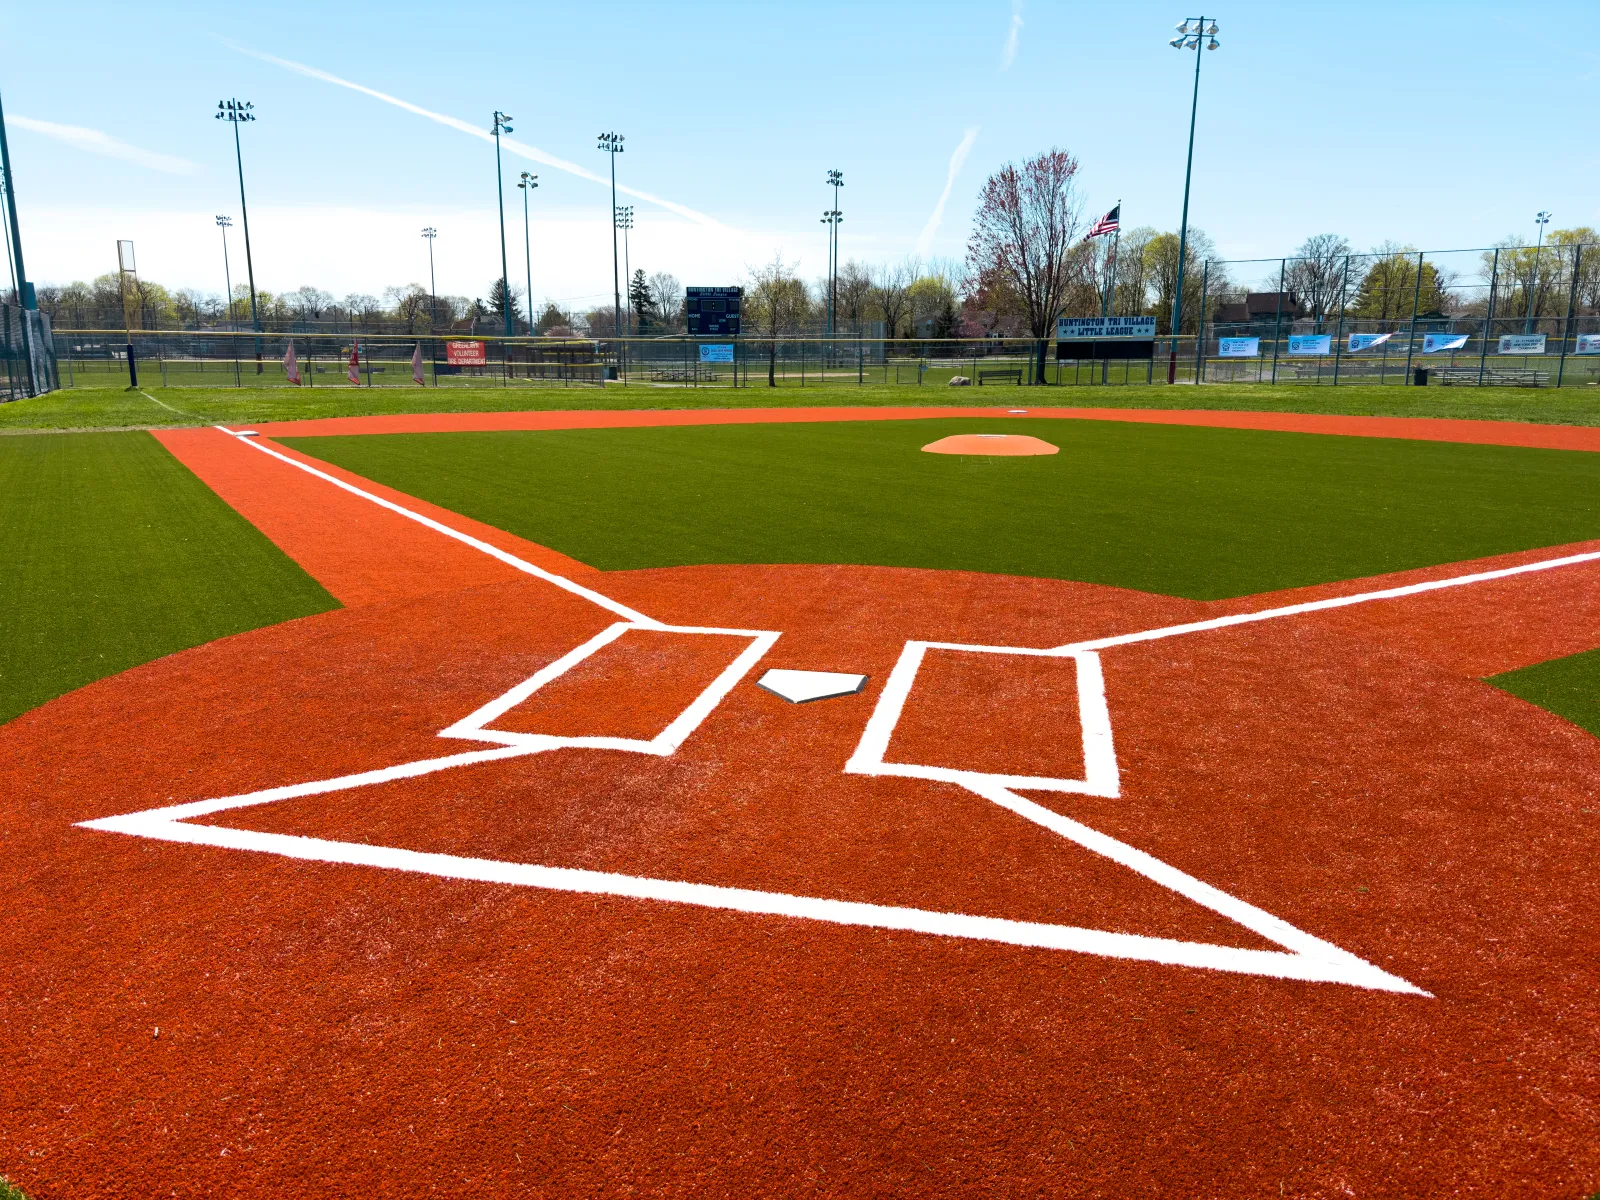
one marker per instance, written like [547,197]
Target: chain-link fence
[27,359]
[1523,316]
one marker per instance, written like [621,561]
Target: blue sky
[1438,125]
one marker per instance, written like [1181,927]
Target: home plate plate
[798,687]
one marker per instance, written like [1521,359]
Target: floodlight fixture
[225,223]
[611,144]
[1187,41]
[237,112]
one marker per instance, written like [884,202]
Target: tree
[1131,271]
[1563,262]
[550,319]
[411,304]
[310,303]
[642,300]
[1023,235]
[502,297]
[933,302]
[1161,265]
[853,295]
[775,303]
[890,287]
[360,309]
[667,293]
[1389,290]
[1317,274]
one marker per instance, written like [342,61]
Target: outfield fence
[27,364]
[1392,353]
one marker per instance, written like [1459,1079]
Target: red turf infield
[340,1030]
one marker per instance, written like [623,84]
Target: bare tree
[310,303]
[854,295]
[667,293]
[775,303]
[891,287]
[1316,273]
[1023,235]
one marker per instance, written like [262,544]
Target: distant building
[1260,306]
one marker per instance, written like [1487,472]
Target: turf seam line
[511,560]
[167,406]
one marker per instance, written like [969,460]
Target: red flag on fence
[416,365]
[353,372]
[291,366]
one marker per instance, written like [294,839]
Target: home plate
[798,687]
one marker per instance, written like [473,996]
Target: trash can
[1419,376]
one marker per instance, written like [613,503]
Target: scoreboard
[712,311]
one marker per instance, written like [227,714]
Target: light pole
[1188,39]
[528,183]
[832,218]
[236,113]
[624,220]
[1541,220]
[433,286]
[502,123]
[611,143]
[11,262]
[223,223]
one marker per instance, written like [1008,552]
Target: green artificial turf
[1202,513]
[1568,687]
[114,554]
[119,407]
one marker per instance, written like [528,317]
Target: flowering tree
[1027,225]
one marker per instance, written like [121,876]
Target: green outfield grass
[1568,687]
[1202,513]
[118,407]
[114,554]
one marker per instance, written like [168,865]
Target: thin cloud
[957,161]
[1009,54]
[511,145]
[94,141]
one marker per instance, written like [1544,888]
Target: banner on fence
[466,354]
[1589,343]
[1239,347]
[1522,343]
[1366,341]
[1311,343]
[716,354]
[352,372]
[291,365]
[1439,343]
[1105,328]
[416,365]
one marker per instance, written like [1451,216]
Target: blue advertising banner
[1522,343]
[716,354]
[1311,343]
[1239,347]
[1439,343]
[1366,341]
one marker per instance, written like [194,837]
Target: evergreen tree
[643,301]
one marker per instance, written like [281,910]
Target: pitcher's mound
[990,443]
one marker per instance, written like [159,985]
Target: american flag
[1109,223]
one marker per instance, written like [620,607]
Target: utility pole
[1187,40]
[237,113]
[624,221]
[502,123]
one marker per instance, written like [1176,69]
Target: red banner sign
[466,354]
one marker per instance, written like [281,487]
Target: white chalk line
[1309,958]
[511,560]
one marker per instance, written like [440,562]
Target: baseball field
[740,802]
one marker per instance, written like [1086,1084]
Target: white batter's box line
[505,556]
[1101,776]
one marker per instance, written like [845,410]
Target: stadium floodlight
[1541,219]
[1184,28]
[527,184]
[1188,174]
[502,124]
[622,216]
[433,287]
[611,143]
[236,113]
[224,224]
[832,217]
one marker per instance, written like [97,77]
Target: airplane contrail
[510,144]
[957,161]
